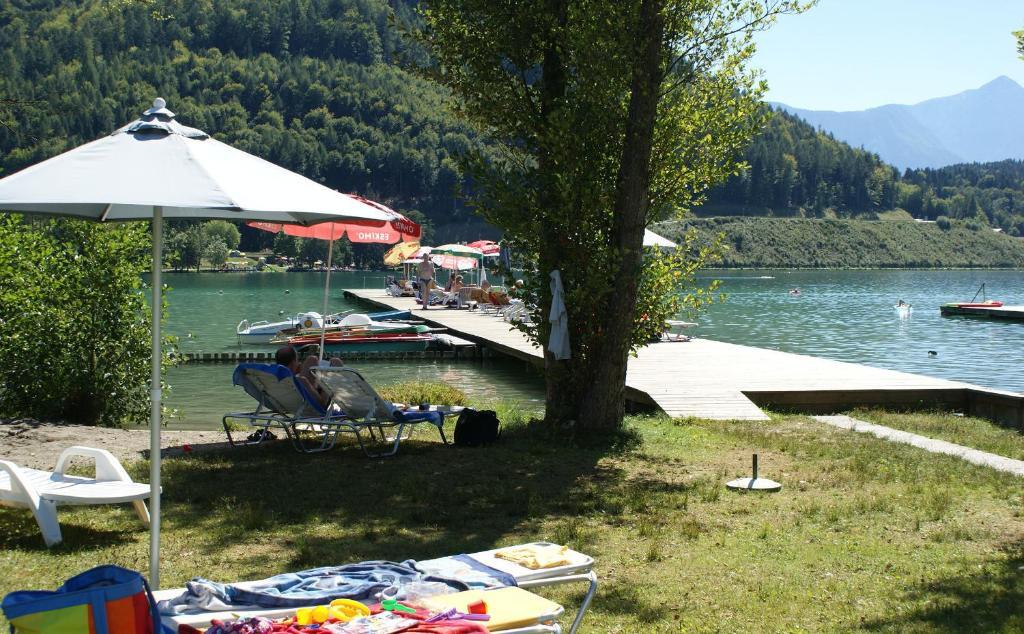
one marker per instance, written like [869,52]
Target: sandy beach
[31,443]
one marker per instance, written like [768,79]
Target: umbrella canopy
[417,257]
[401,252]
[489,248]
[652,239]
[154,168]
[456,256]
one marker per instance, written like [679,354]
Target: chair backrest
[276,389]
[353,394]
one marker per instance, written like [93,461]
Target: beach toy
[392,605]
[340,610]
[455,615]
[304,616]
[347,609]
[477,607]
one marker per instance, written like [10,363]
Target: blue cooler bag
[104,600]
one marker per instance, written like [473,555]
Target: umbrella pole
[327,290]
[154,414]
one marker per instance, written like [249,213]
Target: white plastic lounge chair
[360,402]
[42,491]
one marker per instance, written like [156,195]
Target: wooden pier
[710,379]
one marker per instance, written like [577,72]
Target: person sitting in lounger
[287,357]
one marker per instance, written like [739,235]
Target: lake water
[842,315]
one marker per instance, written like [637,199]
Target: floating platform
[702,378]
[1010,313]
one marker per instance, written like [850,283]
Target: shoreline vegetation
[894,241]
[807,243]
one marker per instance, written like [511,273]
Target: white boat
[260,332]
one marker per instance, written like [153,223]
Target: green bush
[943,223]
[422,391]
[74,324]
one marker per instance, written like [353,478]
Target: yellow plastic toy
[343,610]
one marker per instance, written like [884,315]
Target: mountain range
[978,125]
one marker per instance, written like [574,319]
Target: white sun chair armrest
[24,494]
[108,468]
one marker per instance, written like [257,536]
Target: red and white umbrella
[489,248]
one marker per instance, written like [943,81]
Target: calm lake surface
[842,315]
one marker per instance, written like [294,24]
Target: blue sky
[856,54]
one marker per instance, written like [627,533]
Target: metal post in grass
[754,483]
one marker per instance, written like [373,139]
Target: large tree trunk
[561,394]
[603,405]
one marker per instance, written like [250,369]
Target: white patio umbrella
[652,239]
[155,168]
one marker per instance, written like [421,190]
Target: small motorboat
[263,332]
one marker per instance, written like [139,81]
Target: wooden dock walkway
[710,379]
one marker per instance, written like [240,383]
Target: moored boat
[263,332]
[367,341]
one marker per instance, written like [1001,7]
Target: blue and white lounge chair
[285,404]
[357,398]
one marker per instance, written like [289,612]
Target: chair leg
[46,516]
[141,511]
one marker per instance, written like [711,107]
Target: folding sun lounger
[43,491]
[362,404]
[286,405]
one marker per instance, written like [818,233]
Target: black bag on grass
[476,429]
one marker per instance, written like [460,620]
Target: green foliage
[74,325]
[415,392]
[309,86]
[795,170]
[843,243]
[222,230]
[596,136]
[215,251]
[669,288]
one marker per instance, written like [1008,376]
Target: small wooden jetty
[1012,313]
[710,379]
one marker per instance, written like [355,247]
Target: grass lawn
[864,535]
[976,433]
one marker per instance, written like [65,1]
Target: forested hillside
[796,170]
[315,86]
[310,85]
